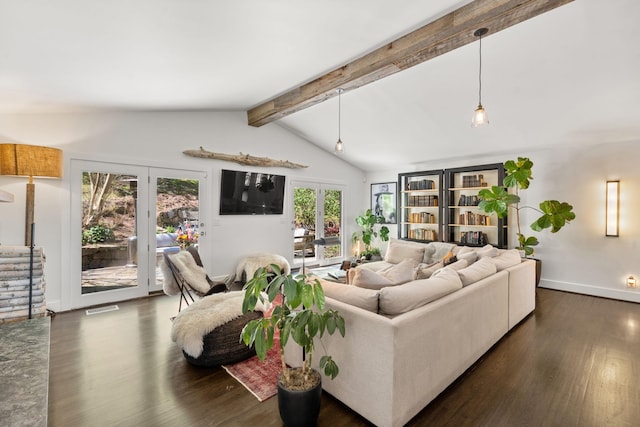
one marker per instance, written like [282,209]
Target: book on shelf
[470,218]
[423,184]
[474,238]
[465,200]
[473,181]
[423,200]
[422,217]
[423,234]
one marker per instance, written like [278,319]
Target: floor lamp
[30,161]
[323,241]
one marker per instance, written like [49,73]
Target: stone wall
[103,256]
[14,283]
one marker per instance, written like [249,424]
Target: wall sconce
[632,282]
[30,161]
[613,209]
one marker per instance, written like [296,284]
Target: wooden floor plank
[574,362]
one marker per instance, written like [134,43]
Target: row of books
[473,181]
[468,200]
[422,217]
[423,234]
[422,200]
[423,184]
[470,218]
[474,238]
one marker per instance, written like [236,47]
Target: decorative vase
[299,408]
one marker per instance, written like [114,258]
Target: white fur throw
[193,274]
[203,316]
[251,263]
[169,285]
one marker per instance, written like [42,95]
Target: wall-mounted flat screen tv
[250,193]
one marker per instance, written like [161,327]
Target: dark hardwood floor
[574,362]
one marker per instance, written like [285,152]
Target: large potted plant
[301,316]
[368,222]
[518,175]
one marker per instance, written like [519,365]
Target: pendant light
[339,149]
[480,115]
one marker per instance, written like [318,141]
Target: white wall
[158,139]
[579,258]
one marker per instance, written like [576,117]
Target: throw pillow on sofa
[440,249]
[400,299]
[487,251]
[465,252]
[424,271]
[507,259]
[399,250]
[391,276]
[480,269]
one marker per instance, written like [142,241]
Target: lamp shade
[30,160]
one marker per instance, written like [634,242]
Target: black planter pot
[538,269]
[299,408]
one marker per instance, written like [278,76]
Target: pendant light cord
[339,111]
[480,75]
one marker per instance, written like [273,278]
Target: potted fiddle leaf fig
[518,175]
[368,222]
[301,317]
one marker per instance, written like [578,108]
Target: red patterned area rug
[260,378]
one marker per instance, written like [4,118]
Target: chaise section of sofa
[392,366]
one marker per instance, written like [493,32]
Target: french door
[123,217]
[318,214]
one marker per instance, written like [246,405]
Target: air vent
[100,310]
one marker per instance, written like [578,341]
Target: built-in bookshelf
[420,205]
[465,223]
[442,205]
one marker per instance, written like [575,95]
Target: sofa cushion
[367,299]
[487,251]
[484,267]
[455,266]
[440,249]
[424,271]
[507,259]
[399,250]
[395,275]
[400,299]
[364,278]
[470,256]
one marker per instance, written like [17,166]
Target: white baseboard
[53,305]
[623,294]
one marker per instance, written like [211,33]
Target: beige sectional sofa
[406,343]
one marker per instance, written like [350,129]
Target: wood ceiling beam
[434,39]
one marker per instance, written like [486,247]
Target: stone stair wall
[14,283]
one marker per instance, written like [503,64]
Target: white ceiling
[571,75]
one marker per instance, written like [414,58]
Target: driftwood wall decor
[243,159]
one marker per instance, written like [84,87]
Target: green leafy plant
[555,214]
[301,317]
[97,234]
[368,222]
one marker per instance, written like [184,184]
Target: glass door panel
[105,204]
[177,211]
[332,224]
[317,212]
[305,202]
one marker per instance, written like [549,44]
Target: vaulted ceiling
[568,76]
